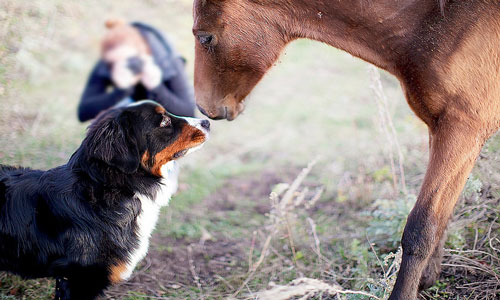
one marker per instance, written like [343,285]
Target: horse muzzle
[228,112]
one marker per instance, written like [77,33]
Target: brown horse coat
[446,54]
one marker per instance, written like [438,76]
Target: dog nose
[205,124]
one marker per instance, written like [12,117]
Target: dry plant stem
[193,271]
[470,267]
[281,207]
[316,239]
[472,252]
[395,263]
[250,291]
[467,263]
[316,197]
[288,197]
[306,288]
[376,86]
[376,255]
[290,238]
[280,256]
[250,254]
[300,198]
[141,296]
[257,264]
[223,280]
[489,235]
[388,127]
[475,238]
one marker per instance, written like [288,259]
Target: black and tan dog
[88,223]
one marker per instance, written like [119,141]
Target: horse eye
[165,122]
[207,39]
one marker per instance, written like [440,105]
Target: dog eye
[180,153]
[165,122]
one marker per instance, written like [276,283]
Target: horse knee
[420,236]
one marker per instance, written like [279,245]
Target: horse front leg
[433,269]
[431,272]
[454,149]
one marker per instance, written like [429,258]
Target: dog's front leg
[62,289]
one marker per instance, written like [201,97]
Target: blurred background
[314,180]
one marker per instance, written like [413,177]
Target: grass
[211,241]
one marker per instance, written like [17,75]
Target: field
[308,183]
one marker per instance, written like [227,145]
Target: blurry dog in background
[88,223]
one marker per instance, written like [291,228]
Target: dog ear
[111,144]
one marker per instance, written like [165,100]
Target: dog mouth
[202,136]
[195,148]
[196,133]
[189,150]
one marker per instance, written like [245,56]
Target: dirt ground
[172,263]
[208,261]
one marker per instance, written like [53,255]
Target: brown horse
[447,58]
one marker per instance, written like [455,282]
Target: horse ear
[110,144]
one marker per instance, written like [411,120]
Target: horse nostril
[205,124]
[202,110]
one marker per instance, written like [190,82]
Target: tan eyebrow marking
[188,138]
[159,109]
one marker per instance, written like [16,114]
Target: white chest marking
[150,209]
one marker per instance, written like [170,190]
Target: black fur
[75,221]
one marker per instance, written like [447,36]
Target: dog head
[143,135]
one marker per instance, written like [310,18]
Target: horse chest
[148,217]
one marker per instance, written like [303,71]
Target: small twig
[472,252]
[290,238]
[287,198]
[280,256]
[193,271]
[306,288]
[137,295]
[300,198]
[489,235]
[469,267]
[224,281]
[315,198]
[250,255]
[315,236]
[257,264]
[475,237]
[376,256]
[388,127]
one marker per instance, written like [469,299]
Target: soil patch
[175,263]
